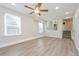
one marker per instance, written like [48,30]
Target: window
[12,25]
[41,28]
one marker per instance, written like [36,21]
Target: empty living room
[39,29]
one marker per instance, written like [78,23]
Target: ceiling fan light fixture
[36,11]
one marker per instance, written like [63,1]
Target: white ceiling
[52,12]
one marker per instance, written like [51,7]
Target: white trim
[75,45]
[5,29]
[40,32]
[20,41]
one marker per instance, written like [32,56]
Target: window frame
[5,25]
[43,28]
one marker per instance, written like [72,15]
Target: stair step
[67,34]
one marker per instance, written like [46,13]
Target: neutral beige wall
[68,25]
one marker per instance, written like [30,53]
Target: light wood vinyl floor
[45,46]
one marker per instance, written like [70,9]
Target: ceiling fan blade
[44,10]
[28,7]
[38,5]
[31,12]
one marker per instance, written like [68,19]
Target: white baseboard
[76,46]
[20,41]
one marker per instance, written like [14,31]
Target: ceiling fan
[36,10]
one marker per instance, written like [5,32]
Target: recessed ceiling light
[67,13]
[67,17]
[57,7]
[12,3]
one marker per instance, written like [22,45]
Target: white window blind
[41,27]
[12,25]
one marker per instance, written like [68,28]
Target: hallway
[46,46]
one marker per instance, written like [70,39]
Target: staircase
[67,34]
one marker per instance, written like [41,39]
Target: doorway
[67,27]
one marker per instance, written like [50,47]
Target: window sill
[14,35]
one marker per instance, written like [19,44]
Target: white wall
[58,32]
[29,28]
[75,29]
